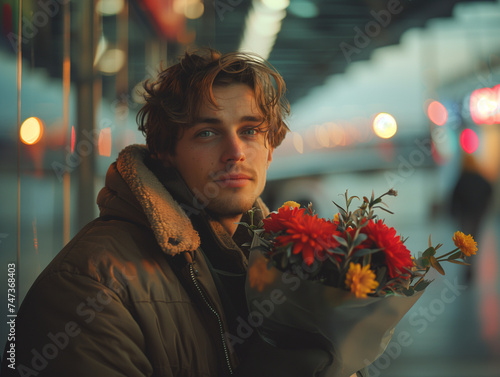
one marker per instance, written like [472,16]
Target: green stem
[445,255]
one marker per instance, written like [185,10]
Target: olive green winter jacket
[132,294]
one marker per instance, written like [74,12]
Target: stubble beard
[231,205]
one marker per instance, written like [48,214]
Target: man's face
[223,157]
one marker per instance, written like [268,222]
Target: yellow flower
[336,218]
[466,244]
[290,204]
[361,280]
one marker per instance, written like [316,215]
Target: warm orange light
[105,142]
[437,113]
[298,142]
[31,131]
[385,126]
[322,136]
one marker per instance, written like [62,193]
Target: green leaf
[341,240]
[437,265]
[350,200]
[422,285]
[458,262]
[429,252]
[342,210]
[337,250]
[408,292]
[384,209]
[457,255]
[424,262]
[362,252]
[360,238]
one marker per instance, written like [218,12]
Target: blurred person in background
[155,285]
[470,200]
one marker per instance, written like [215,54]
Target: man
[155,285]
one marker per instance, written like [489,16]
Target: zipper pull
[189,259]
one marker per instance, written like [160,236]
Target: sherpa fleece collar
[170,224]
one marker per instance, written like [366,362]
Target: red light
[469,140]
[437,113]
[72,138]
[485,105]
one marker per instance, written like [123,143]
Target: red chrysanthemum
[397,256]
[280,220]
[309,235]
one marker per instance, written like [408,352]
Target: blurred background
[384,94]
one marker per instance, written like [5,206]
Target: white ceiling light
[262,26]
[109,7]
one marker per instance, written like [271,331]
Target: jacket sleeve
[71,324]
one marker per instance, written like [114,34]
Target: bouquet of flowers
[343,283]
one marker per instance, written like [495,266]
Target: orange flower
[360,280]
[309,235]
[466,244]
[290,204]
[397,256]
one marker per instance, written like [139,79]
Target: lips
[233,180]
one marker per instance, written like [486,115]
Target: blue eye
[252,131]
[205,133]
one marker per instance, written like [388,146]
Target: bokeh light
[105,142]
[31,131]
[384,125]
[276,4]
[191,9]
[437,113]
[485,105]
[322,136]
[109,7]
[298,142]
[73,137]
[303,9]
[112,61]
[469,141]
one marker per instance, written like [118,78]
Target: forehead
[236,96]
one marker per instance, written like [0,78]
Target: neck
[229,223]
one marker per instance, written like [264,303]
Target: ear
[269,156]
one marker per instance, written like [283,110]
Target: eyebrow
[246,118]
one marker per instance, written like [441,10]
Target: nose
[233,149]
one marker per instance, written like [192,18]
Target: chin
[226,207]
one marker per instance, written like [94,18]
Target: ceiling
[317,39]
[308,50]
[317,42]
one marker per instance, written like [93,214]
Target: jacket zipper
[221,329]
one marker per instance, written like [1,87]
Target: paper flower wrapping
[341,284]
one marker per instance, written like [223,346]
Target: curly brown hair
[173,100]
